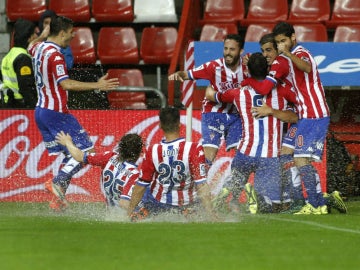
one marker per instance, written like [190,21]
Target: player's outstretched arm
[136,197]
[265,110]
[103,84]
[66,140]
[178,76]
[203,191]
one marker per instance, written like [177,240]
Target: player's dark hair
[238,38]
[130,147]
[169,119]
[258,66]
[268,38]
[283,28]
[23,29]
[59,23]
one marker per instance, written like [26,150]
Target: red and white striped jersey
[172,169]
[308,87]
[261,137]
[50,69]
[118,177]
[221,79]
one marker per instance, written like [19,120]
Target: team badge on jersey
[60,70]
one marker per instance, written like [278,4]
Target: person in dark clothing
[18,88]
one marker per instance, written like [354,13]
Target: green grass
[32,237]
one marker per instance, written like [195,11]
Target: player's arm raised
[66,140]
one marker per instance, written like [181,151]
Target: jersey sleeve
[147,169]
[128,186]
[205,71]
[98,159]
[58,67]
[229,96]
[197,163]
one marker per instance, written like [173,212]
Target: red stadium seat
[77,10]
[117,45]
[26,9]
[309,11]
[347,33]
[265,11]
[254,32]
[112,10]
[217,32]
[127,100]
[345,13]
[82,46]
[224,11]
[157,44]
[311,32]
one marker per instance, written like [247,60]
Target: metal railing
[143,89]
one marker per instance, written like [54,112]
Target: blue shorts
[215,125]
[290,136]
[52,122]
[267,180]
[310,137]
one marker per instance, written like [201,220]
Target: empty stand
[117,45]
[112,10]
[221,11]
[77,10]
[347,33]
[127,100]
[309,11]
[255,31]
[82,46]
[345,12]
[265,11]
[26,9]
[311,32]
[151,11]
[157,44]
[217,32]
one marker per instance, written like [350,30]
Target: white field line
[315,224]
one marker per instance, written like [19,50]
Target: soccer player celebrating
[119,170]
[219,119]
[51,112]
[297,64]
[174,170]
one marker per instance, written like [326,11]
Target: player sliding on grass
[119,171]
[174,170]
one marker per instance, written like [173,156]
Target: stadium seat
[223,11]
[127,100]
[311,32]
[347,33]
[309,11]
[265,11]
[82,46]
[157,44]
[217,32]
[151,11]
[255,31]
[117,45]
[344,13]
[112,10]
[77,10]
[26,9]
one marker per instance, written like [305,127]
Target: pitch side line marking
[317,225]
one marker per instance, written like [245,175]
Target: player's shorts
[310,137]
[290,136]
[52,122]
[267,179]
[155,207]
[216,125]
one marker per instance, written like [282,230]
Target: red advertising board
[25,164]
